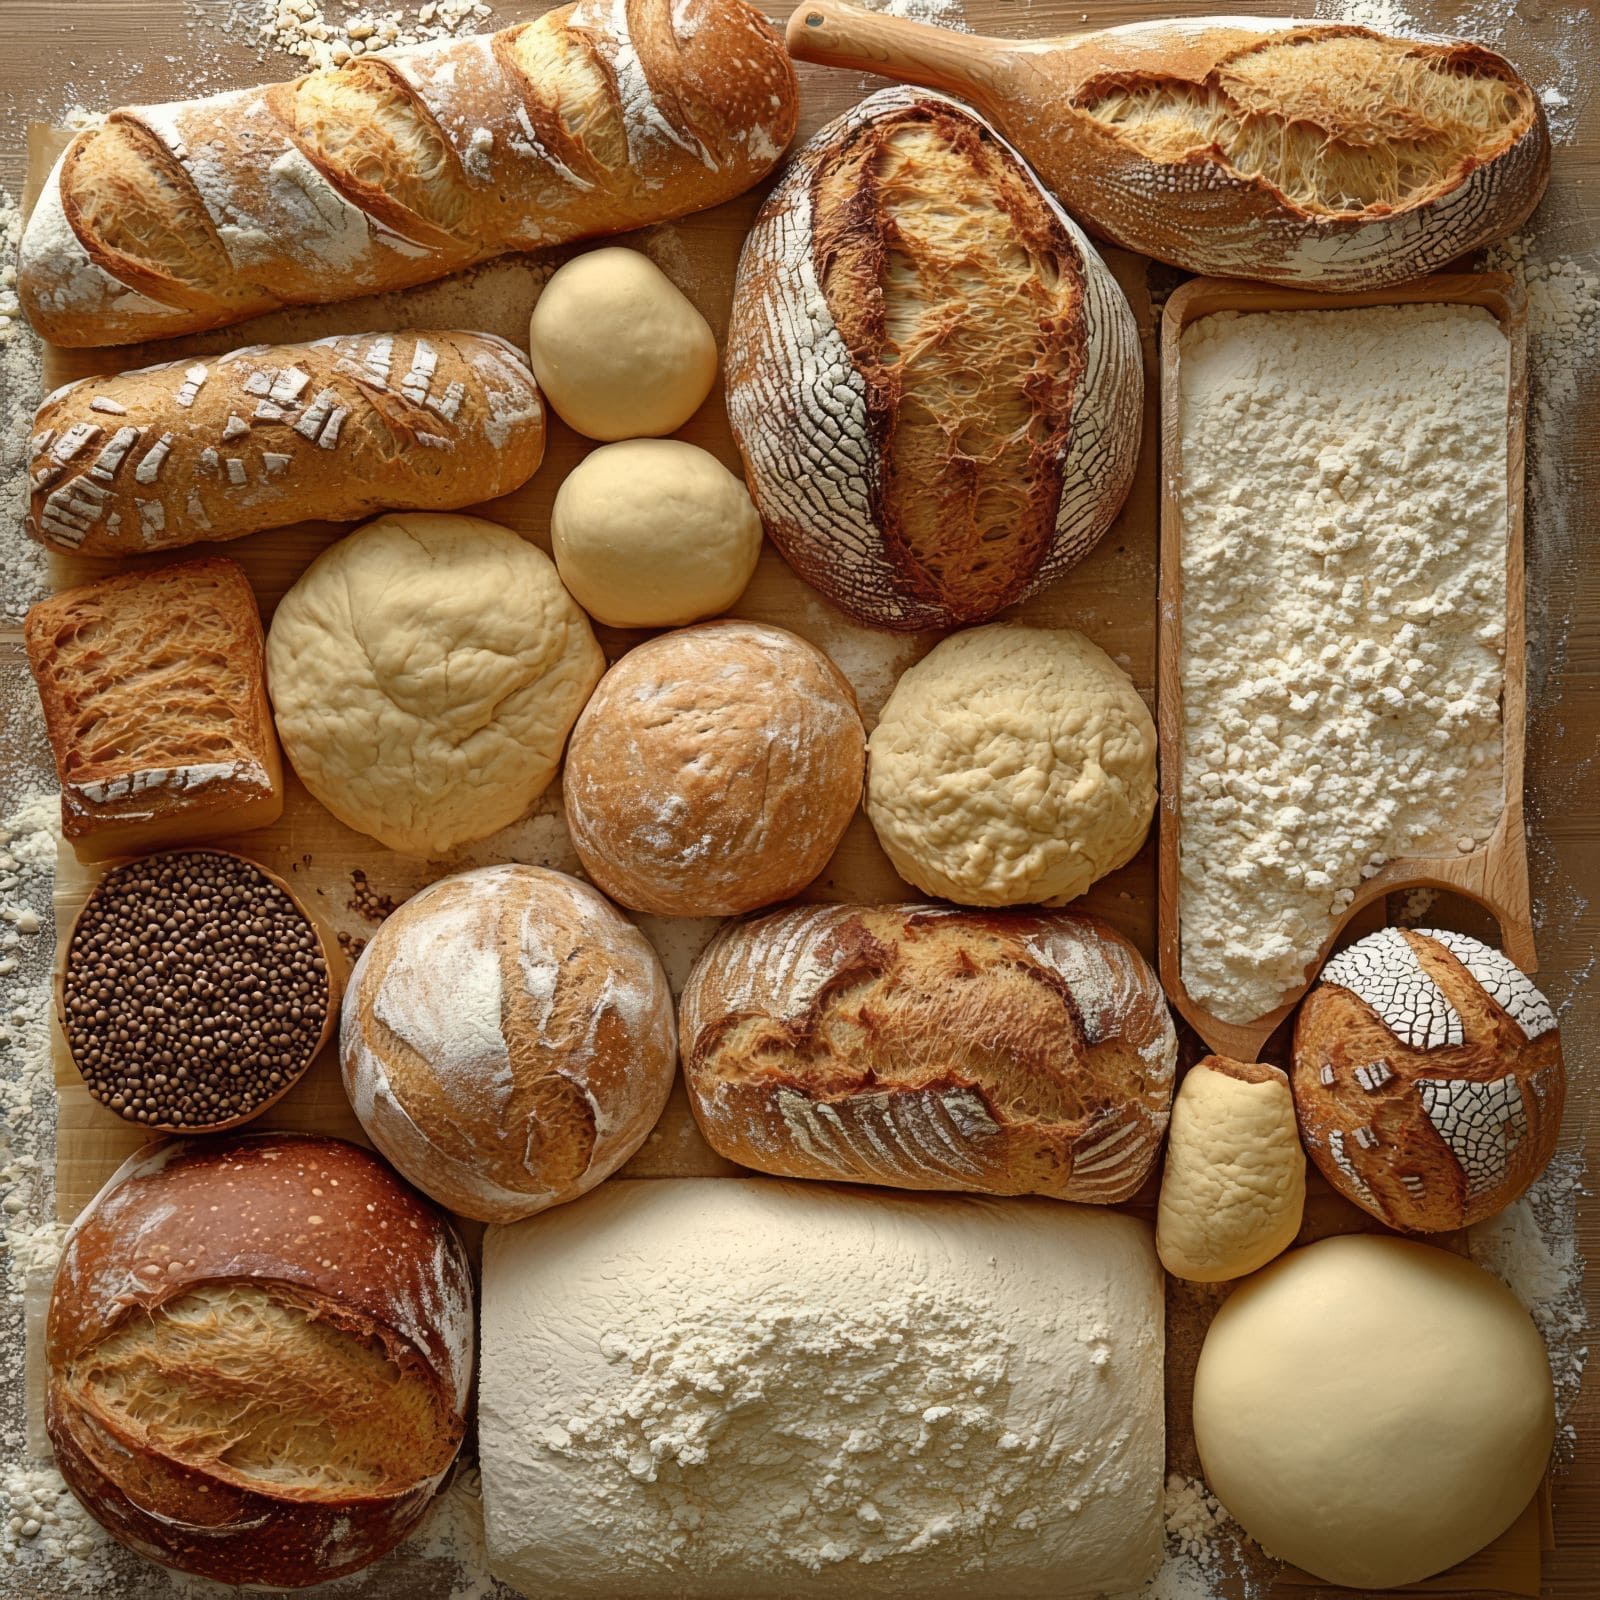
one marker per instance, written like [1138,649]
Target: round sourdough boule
[507,1040]
[714,770]
[654,533]
[934,380]
[424,673]
[1012,766]
[1428,1078]
[1373,1410]
[259,1353]
[617,347]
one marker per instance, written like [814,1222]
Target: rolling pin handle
[834,34]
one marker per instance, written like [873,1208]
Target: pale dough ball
[618,349]
[1373,1410]
[424,672]
[1012,766]
[652,533]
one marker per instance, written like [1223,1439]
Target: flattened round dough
[653,533]
[1373,1410]
[618,349]
[424,672]
[1012,766]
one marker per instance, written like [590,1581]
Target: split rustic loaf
[925,1047]
[395,169]
[933,379]
[210,450]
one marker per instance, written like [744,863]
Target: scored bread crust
[205,450]
[315,1226]
[927,1047]
[398,168]
[1109,146]
[939,414]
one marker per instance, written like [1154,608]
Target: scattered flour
[22,561]
[940,13]
[303,27]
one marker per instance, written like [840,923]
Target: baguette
[399,168]
[203,451]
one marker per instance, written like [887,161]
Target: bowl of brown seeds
[195,990]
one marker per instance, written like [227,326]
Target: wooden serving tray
[1496,874]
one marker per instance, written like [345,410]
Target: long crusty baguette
[1315,153]
[209,450]
[396,169]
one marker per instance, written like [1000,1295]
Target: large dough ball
[1373,1410]
[507,1040]
[1012,766]
[618,349]
[653,533]
[714,771]
[424,674]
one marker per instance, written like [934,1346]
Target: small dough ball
[1373,1410]
[618,349]
[507,1040]
[714,771]
[653,533]
[1012,766]
[424,673]
[1234,1185]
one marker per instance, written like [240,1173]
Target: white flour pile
[1343,621]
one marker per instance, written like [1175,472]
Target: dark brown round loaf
[259,1352]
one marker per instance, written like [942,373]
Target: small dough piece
[654,533]
[1012,766]
[1234,1185]
[424,674]
[1373,1410]
[618,349]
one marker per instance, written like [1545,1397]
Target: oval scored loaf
[398,168]
[925,1047]
[933,379]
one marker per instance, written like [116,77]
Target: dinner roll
[507,1040]
[714,770]
[424,672]
[1012,766]
[653,533]
[618,349]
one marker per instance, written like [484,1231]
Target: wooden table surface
[106,52]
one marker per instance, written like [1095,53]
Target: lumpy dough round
[1373,1410]
[1012,766]
[424,673]
[653,533]
[618,349]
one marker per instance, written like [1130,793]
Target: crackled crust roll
[933,379]
[925,1047]
[259,1353]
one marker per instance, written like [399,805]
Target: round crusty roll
[925,1047]
[507,1040]
[1428,1078]
[714,770]
[259,1353]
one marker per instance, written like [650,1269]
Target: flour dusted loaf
[397,168]
[714,771]
[934,380]
[708,1390]
[207,450]
[259,1354]
[425,671]
[507,1040]
[1428,1077]
[929,1048]
[155,703]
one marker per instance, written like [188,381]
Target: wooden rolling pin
[1317,154]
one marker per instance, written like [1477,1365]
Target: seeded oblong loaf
[933,379]
[398,168]
[925,1047]
[270,434]
[259,1354]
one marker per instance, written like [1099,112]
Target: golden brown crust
[1244,1071]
